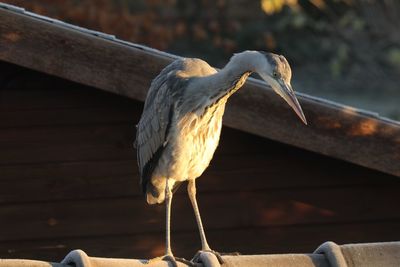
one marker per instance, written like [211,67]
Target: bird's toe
[171,259]
[197,258]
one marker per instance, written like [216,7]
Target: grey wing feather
[152,130]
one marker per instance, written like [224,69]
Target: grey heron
[181,122]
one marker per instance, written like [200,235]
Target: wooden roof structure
[105,62]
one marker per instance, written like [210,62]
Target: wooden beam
[126,69]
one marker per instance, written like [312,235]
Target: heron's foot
[196,258]
[173,260]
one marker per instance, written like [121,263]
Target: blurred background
[342,50]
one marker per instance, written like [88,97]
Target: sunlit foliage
[274,6]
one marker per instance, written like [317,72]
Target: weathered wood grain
[104,61]
[222,210]
[230,173]
[270,240]
[70,153]
[77,116]
[25,89]
[335,131]
[114,141]
[89,134]
[101,137]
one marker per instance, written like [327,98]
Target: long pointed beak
[290,97]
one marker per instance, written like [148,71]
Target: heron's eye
[275,74]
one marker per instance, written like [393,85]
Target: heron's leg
[204,245]
[192,196]
[168,251]
[168,202]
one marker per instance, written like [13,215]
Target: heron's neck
[215,89]
[232,77]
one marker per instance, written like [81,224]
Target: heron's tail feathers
[155,194]
[153,200]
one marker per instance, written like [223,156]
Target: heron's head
[275,70]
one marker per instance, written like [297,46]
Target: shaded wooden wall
[68,179]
